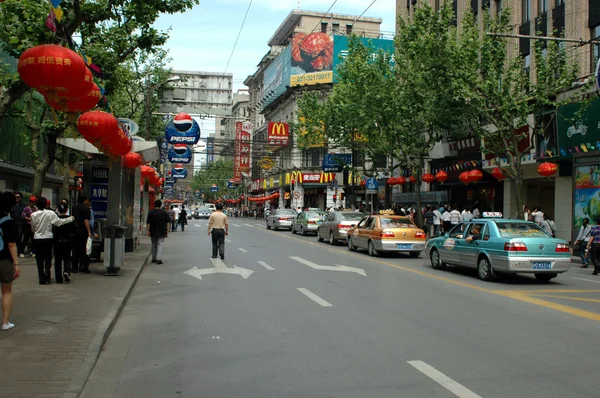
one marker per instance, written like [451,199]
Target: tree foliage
[218,172]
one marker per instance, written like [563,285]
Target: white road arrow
[220,268]
[328,267]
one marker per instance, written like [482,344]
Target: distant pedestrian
[183,218]
[218,226]
[83,231]
[454,216]
[446,219]
[593,247]
[64,201]
[9,258]
[466,215]
[27,234]
[437,222]
[158,229]
[476,213]
[16,214]
[581,242]
[42,222]
[63,246]
[429,217]
[173,218]
[548,225]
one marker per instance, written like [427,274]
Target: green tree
[218,172]
[512,99]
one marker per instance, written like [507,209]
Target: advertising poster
[277,77]
[340,50]
[237,172]
[587,195]
[312,59]
[245,147]
[99,197]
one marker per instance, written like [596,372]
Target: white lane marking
[197,225]
[243,250]
[248,225]
[329,268]
[260,225]
[587,280]
[314,297]
[267,266]
[228,241]
[236,225]
[454,387]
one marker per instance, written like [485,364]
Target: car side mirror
[447,234]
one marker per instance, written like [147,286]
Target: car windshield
[352,216]
[203,209]
[286,213]
[314,214]
[388,222]
[518,229]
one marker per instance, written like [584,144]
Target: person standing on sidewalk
[581,242]
[593,246]
[83,231]
[429,217]
[183,218]
[27,234]
[437,222]
[43,238]
[218,225]
[16,214]
[63,246]
[9,258]
[171,213]
[158,229]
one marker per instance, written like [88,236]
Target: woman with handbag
[548,225]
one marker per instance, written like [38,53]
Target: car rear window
[388,222]
[520,230]
[314,214]
[286,213]
[352,216]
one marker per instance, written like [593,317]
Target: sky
[202,39]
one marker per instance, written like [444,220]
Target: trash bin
[114,248]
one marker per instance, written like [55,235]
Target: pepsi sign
[179,173]
[182,129]
[180,153]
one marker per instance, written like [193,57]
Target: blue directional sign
[335,162]
[372,184]
[214,188]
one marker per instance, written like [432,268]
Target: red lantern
[147,172]
[96,126]
[464,177]
[400,181]
[547,169]
[363,183]
[441,176]
[82,104]
[391,181]
[412,179]
[498,174]
[132,160]
[428,177]
[475,175]
[55,71]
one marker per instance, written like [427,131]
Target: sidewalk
[60,329]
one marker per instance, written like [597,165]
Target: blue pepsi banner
[179,173]
[182,129]
[335,162]
[180,153]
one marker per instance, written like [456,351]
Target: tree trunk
[10,96]
[64,190]
[419,210]
[517,184]
[42,159]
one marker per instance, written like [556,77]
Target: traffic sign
[371,186]
[214,188]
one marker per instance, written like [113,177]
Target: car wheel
[484,269]
[371,249]
[275,228]
[436,260]
[351,247]
[332,240]
[302,231]
[319,238]
[414,254]
[268,226]
[545,277]
[294,230]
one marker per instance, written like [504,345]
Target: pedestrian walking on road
[581,242]
[158,229]
[218,226]
[27,234]
[9,257]
[83,231]
[593,246]
[63,246]
[172,217]
[183,218]
[17,214]
[42,222]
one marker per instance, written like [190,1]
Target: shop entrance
[540,193]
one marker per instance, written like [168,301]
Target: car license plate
[541,265]
[404,246]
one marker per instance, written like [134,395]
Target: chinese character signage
[245,147]
[99,193]
[237,172]
[278,134]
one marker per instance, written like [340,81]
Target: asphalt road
[296,321]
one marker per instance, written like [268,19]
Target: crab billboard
[182,129]
[312,59]
[180,153]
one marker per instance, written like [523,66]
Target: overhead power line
[238,36]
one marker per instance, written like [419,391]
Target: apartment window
[596,48]
[348,29]
[542,6]
[313,157]
[335,28]
[324,27]
[527,64]
[525,10]
[560,2]
[499,7]
[437,5]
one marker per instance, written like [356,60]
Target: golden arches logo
[279,129]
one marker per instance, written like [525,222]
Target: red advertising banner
[237,170]
[278,134]
[245,147]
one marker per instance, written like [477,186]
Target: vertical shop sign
[99,197]
[245,147]
[237,172]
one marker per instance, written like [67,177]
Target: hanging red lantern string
[147,172]
[441,176]
[464,177]
[132,160]
[498,174]
[412,179]
[428,177]
[95,126]
[391,181]
[475,175]
[82,104]
[547,169]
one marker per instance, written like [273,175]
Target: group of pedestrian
[443,219]
[542,219]
[177,216]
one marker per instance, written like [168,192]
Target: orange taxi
[386,232]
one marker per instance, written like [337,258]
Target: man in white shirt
[582,240]
[454,216]
[466,215]
[538,215]
[446,219]
[476,213]
[177,211]
[437,222]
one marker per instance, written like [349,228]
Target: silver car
[336,225]
[203,212]
[281,218]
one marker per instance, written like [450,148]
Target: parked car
[307,221]
[494,245]
[203,212]
[336,225]
[386,233]
[281,218]
[211,206]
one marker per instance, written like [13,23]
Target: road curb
[101,336]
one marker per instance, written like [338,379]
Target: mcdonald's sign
[278,134]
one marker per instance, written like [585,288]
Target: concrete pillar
[563,205]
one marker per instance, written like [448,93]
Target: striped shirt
[596,234]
